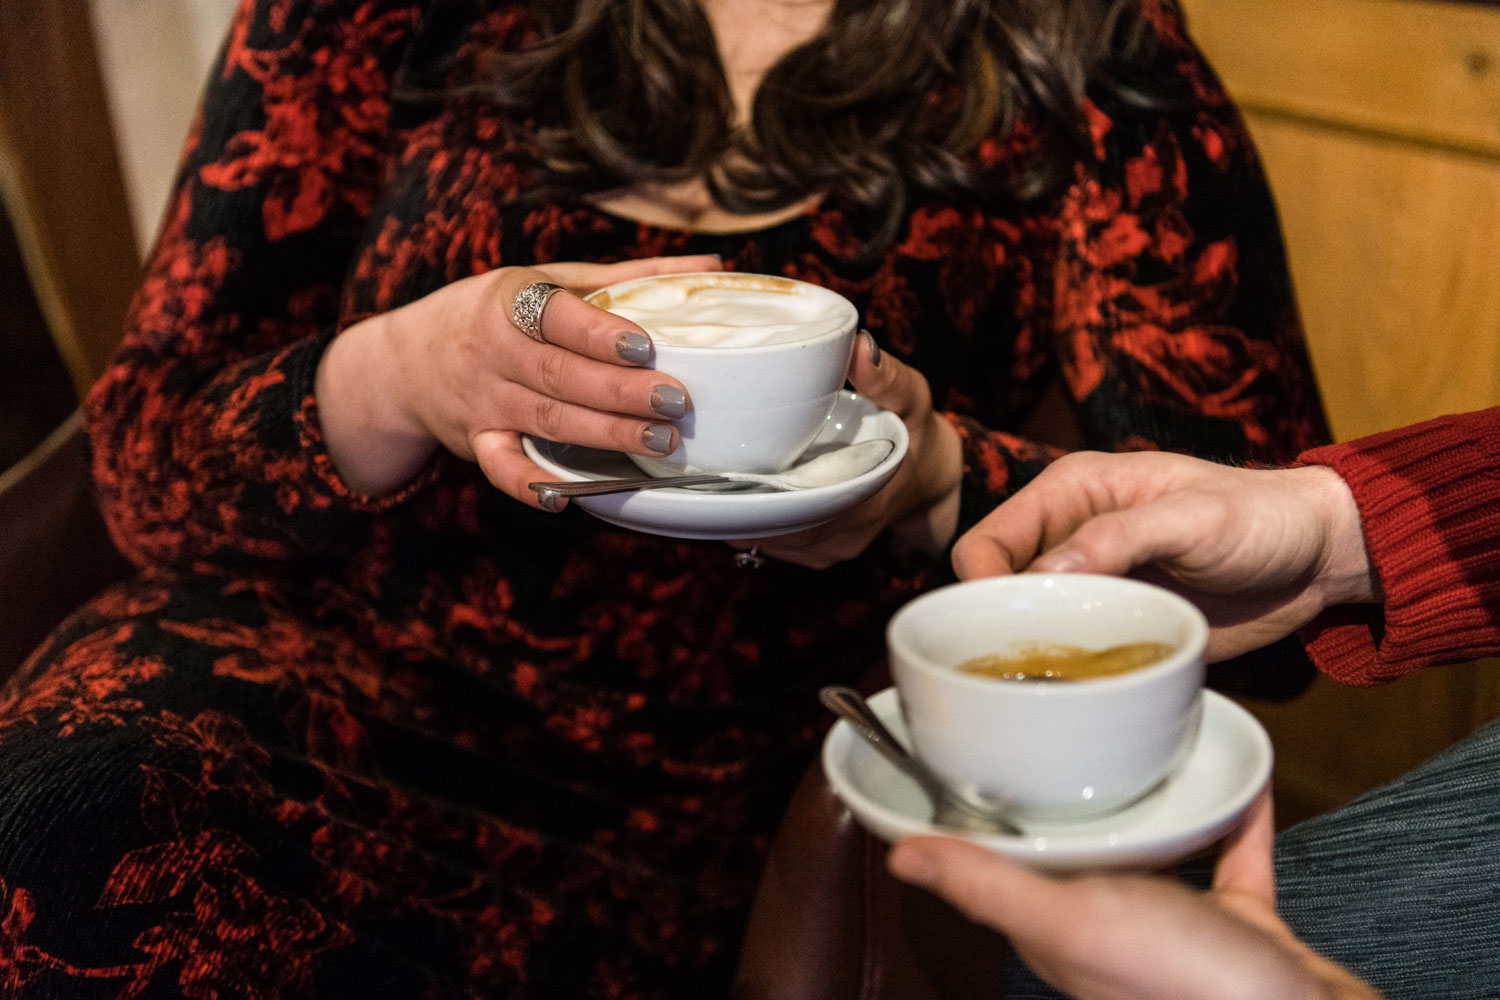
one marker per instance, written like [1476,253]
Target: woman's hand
[452,369]
[1261,551]
[1116,937]
[921,500]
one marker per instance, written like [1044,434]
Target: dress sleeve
[1429,505]
[1166,306]
[206,448]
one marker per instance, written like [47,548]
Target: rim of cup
[843,325]
[1187,649]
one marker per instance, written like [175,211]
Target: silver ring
[527,307]
[750,558]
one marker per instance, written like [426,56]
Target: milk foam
[709,316]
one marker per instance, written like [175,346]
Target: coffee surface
[1066,663]
[711,315]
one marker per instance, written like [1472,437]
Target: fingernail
[911,864]
[1059,560]
[634,347]
[657,437]
[874,347]
[669,401]
[550,500]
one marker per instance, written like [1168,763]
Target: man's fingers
[982,885]
[1116,542]
[1245,864]
[1038,516]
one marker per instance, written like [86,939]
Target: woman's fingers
[504,464]
[888,382]
[546,416]
[569,323]
[579,377]
[586,278]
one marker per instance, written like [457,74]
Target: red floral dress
[441,744]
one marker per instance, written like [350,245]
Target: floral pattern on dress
[439,744]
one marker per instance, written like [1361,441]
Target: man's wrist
[1346,574]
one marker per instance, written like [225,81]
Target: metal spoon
[836,466]
[951,807]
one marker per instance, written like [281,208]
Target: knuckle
[548,418]
[1074,465]
[550,371]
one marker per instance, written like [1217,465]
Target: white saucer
[687,513]
[1189,811]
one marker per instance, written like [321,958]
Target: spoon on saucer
[829,468]
[951,807]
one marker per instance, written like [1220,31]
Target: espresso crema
[713,314]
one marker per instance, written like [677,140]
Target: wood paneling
[1426,72]
[1379,125]
[60,178]
[1395,250]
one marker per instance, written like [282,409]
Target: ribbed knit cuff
[1429,504]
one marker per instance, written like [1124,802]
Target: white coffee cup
[1050,750]
[762,358]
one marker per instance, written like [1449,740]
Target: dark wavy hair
[890,98]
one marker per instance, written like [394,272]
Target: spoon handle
[598,487]
[949,807]
[848,705]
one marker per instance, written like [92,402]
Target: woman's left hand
[920,501]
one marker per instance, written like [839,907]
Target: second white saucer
[686,513]
[1198,805]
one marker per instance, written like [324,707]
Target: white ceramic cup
[755,406]
[1051,750]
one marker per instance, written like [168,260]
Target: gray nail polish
[874,348]
[657,437]
[550,500]
[669,401]
[634,347]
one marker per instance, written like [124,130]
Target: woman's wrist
[934,523]
[374,442]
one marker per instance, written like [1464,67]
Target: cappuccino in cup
[762,358]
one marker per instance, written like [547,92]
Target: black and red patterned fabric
[439,744]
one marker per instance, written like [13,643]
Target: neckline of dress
[619,219]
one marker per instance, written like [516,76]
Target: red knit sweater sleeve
[1429,503]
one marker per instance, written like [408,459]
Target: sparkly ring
[526,309]
[750,558]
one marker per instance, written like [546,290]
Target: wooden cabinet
[1379,125]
